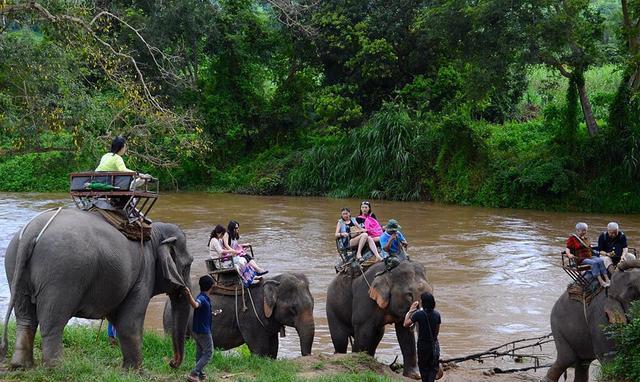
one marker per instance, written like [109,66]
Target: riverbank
[88,356]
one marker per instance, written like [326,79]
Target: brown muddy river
[495,272]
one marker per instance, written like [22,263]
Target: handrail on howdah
[128,191]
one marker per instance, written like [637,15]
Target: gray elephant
[578,332]
[355,309]
[75,264]
[282,300]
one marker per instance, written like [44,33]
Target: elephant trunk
[180,320]
[305,327]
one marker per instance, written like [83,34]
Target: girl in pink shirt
[369,221]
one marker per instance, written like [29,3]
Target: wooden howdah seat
[578,272]
[223,271]
[114,190]
[575,271]
[348,256]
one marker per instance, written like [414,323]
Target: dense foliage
[529,104]
[626,364]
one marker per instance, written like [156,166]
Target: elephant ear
[270,292]
[614,311]
[380,291]
[168,267]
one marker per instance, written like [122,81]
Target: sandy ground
[326,365]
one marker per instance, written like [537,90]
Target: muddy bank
[324,365]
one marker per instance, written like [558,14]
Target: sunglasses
[365,203]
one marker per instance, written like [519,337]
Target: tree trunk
[631,30]
[589,119]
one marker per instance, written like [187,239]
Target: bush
[37,172]
[626,364]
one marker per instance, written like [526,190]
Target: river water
[496,272]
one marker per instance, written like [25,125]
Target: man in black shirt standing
[613,243]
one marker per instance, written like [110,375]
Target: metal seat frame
[138,201]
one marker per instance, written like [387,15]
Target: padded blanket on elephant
[583,294]
[137,230]
[226,289]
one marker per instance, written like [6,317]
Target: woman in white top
[216,249]
[230,240]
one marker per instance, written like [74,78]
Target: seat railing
[575,271]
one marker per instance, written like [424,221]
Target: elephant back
[137,230]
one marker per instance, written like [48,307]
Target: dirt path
[326,365]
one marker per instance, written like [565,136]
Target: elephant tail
[23,254]
[25,249]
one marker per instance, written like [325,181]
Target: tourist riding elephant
[578,332]
[355,309]
[72,263]
[278,301]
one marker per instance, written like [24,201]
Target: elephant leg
[339,333]
[407,341]
[51,332]
[556,370]
[26,326]
[582,371]
[566,358]
[129,322]
[23,353]
[258,340]
[274,343]
[53,315]
[367,338]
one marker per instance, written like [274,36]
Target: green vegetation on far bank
[89,357]
[500,104]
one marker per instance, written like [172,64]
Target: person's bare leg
[601,281]
[374,248]
[362,240]
[255,266]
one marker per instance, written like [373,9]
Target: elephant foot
[22,359]
[23,355]
[413,373]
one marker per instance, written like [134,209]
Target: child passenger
[202,318]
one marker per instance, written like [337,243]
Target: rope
[99,328]
[584,309]
[236,306]
[25,227]
[363,275]
[254,309]
[49,222]
[244,305]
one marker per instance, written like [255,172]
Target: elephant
[361,311]
[73,263]
[283,300]
[578,330]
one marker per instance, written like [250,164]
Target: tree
[566,35]
[76,85]
[631,29]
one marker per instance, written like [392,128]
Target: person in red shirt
[578,247]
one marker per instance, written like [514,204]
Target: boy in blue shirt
[202,317]
[392,240]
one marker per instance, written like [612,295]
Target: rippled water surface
[495,272]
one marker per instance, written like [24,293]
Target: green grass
[89,357]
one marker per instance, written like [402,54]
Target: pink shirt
[372,226]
